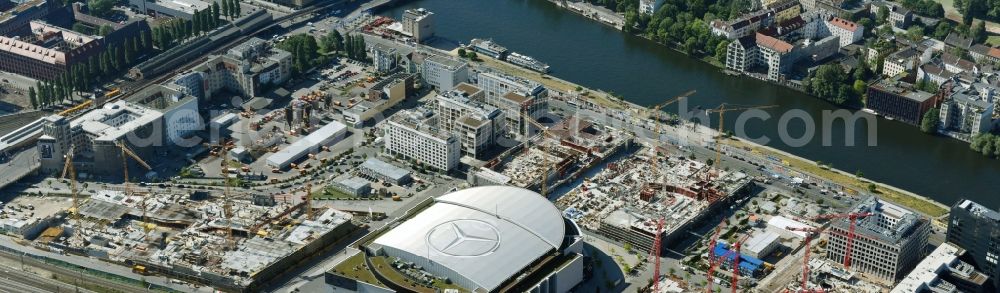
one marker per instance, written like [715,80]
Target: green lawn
[355,267]
[993,41]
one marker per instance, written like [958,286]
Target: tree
[82,28]
[101,7]
[33,98]
[461,52]
[720,51]
[225,8]
[859,174]
[237,10]
[215,14]
[989,148]
[915,33]
[829,82]
[978,32]
[942,30]
[930,121]
[105,30]
[859,87]
[872,188]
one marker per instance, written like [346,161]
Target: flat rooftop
[114,120]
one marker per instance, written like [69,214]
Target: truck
[140,269]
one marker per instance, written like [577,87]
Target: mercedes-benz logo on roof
[464,238]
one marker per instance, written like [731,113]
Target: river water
[596,56]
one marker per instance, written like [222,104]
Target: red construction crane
[853,217]
[810,234]
[654,253]
[735,282]
[712,261]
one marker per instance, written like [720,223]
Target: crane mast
[69,170]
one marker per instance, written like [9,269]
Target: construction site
[629,203]
[558,154]
[229,241]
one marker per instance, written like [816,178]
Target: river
[583,51]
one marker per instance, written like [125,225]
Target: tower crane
[222,149]
[735,281]
[654,254]
[308,201]
[712,261]
[852,217]
[543,131]
[126,153]
[810,234]
[721,110]
[656,131]
[68,170]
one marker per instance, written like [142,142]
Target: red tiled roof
[994,52]
[773,43]
[844,24]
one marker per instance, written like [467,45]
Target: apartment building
[743,26]
[904,60]
[516,97]
[848,31]
[975,227]
[967,112]
[983,54]
[741,54]
[384,58]
[648,7]
[15,20]
[414,134]
[776,55]
[444,72]
[889,242]
[243,70]
[899,16]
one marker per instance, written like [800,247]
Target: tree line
[983,9]
[987,144]
[308,52]
[174,32]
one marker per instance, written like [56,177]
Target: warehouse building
[380,170]
[889,243]
[324,136]
[353,185]
[171,8]
[481,239]
[761,245]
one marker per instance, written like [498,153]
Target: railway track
[135,86]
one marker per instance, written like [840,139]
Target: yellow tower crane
[543,131]
[721,110]
[308,206]
[656,110]
[68,170]
[222,150]
[127,153]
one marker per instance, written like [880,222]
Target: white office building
[443,72]
[415,135]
